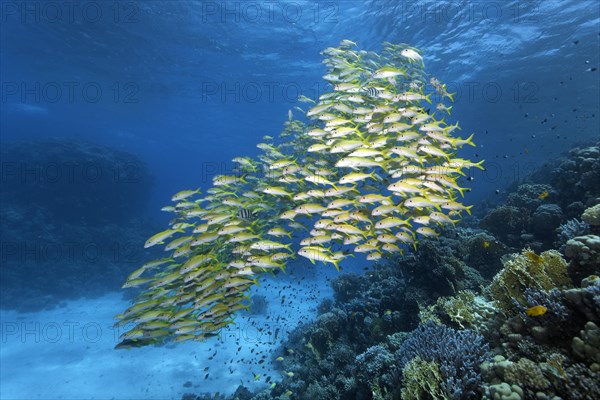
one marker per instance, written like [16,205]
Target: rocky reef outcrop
[73,220]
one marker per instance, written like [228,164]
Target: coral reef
[587,345]
[457,354]
[421,380]
[73,219]
[466,310]
[73,182]
[591,215]
[545,220]
[374,367]
[586,299]
[569,230]
[528,270]
[544,202]
[577,178]
[507,223]
[430,326]
[484,253]
[504,391]
[584,253]
[547,379]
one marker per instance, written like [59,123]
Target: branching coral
[569,230]
[373,367]
[457,353]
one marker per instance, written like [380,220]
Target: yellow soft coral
[528,270]
[421,379]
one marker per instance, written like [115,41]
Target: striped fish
[372,92]
[244,213]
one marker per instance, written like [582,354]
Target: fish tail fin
[448,109]
[428,98]
[462,192]
[255,280]
[469,140]
[479,165]
[336,264]
[468,209]
[451,96]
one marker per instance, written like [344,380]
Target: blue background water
[186,86]
[189,85]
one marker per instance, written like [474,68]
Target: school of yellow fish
[374,170]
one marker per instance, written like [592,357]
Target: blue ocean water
[175,90]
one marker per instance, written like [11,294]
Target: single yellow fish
[536,311]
